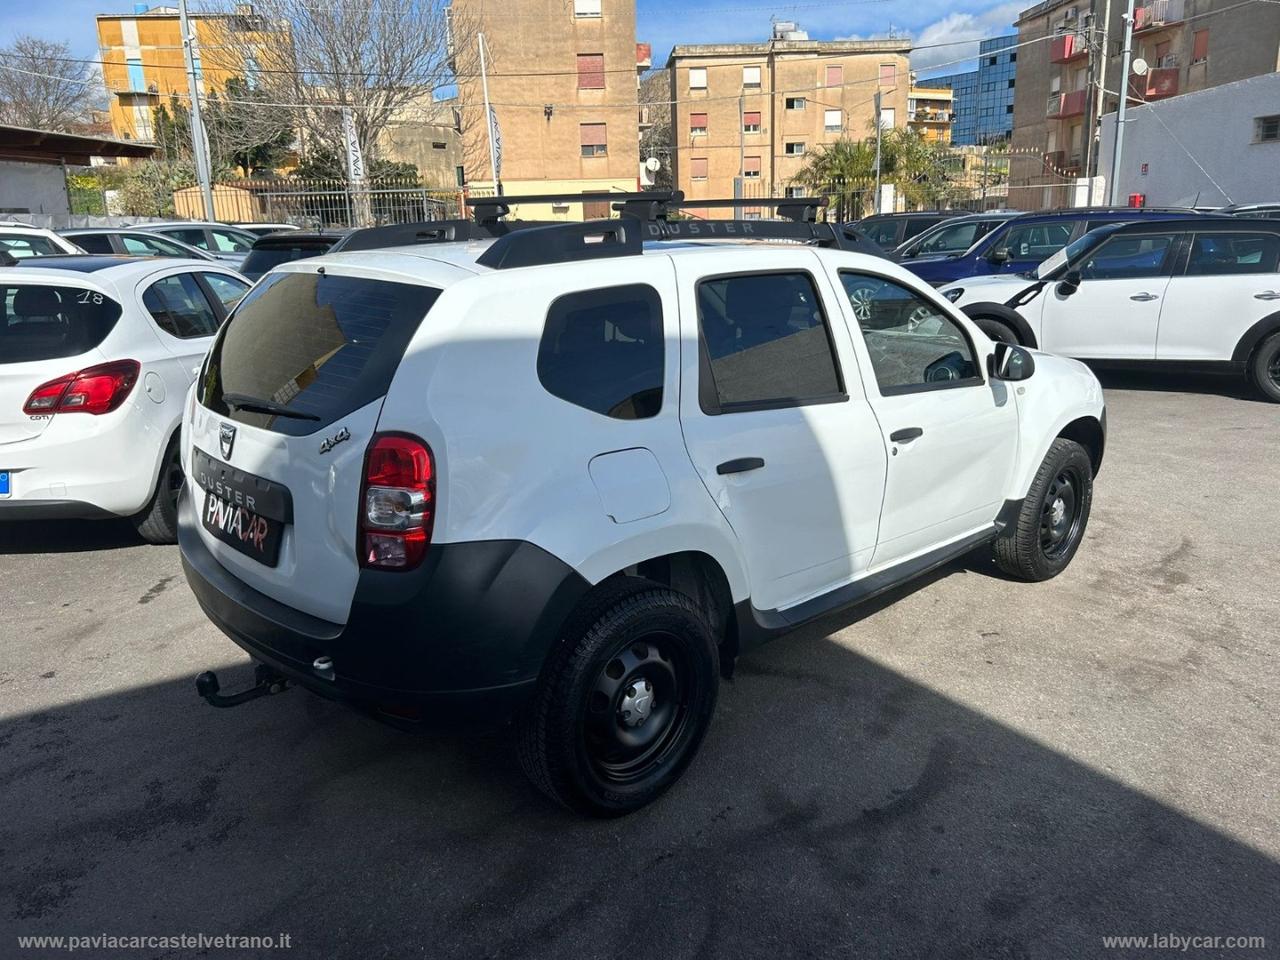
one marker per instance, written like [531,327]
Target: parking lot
[970,767]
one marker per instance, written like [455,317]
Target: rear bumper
[52,510]
[461,640]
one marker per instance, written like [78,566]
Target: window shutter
[833,119]
[590,71]
[750,164]
[586,8]
[697,121]
[888,74]
[592,134]
[835,75]
[751,76]
[751,119]
[697,78]
[1200,49]
[698,168]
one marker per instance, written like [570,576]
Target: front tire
[1053,518]
[158,522]
[997,331]
[1264,368]
[623,703]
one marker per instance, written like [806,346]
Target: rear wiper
[242,401]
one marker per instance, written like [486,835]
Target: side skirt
[757,626]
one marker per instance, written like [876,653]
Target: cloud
[961,33]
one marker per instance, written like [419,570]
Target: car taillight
[99,389]
[397,502]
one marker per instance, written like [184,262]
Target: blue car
[1022,243]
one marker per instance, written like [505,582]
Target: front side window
[227,289]
[1219,254]
[228,242]
[180,308]
[913,344]
[1127,257]
[1036,241]
[151,246]
[195,236]
[603,350]
[765,342]
[39,322]
[950,239]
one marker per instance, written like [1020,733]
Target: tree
[375,58]
[42,87]
[245,132]
[655,140]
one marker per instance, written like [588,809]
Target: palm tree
[843,172]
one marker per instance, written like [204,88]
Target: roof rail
[565,243]
[428,231]
[489,209]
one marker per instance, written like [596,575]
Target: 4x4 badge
[226,440]
[330,442]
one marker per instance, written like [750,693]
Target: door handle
[1144,297]
[741,465]
[1267,295]
[906,434]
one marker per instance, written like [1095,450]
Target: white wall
[1216,128]
[32,188]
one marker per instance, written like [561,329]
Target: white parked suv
[1202,292]
[565,476]
[96,357]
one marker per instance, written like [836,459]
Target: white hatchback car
[96,357]
[21,240]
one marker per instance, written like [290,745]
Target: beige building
[563,82]
[929,113]
[426,133]
[143,64]
[756,111]
[1187,45]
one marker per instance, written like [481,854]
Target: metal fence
[322,203]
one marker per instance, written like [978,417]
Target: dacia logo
[330,442]
[227,439]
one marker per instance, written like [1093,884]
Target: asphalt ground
[968,768]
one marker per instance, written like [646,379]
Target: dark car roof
[80,262]
[294,238]
[1202,224]
[912,215]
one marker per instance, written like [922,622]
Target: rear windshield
[314,344]
[262,259]
[40,322]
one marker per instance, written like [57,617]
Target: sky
[661,23]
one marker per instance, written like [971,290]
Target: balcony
[1157,14]
[1158,83]
[1063,105]
[1066,47]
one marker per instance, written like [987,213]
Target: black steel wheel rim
[637,708]
[1061,513]
[1273,368]
[173,479]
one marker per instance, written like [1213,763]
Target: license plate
[244,511]
[4,483]
[253,535]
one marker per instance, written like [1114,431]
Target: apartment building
[749,114]
[143,64]
[1065,82]
[929,112]
[982,102]
[563,83]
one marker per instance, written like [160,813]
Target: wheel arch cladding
[977,312]
[1091,434]
[1254,336]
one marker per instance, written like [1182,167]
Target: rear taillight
[397,502]
[99,389]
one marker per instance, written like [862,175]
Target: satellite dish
[653,164]
[1140,67]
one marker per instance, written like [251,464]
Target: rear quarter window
[39,322]
[318,344]
[603,350]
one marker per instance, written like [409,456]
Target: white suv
[1179,294]
[96,357]
[564,477]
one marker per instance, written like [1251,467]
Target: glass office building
[982,103]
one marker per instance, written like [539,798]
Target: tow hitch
[266,682]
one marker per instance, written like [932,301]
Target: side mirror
[999,255]
[1069,284]
[1010,362]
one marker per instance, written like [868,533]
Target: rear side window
[227,289]
[19,246]
[883,233]
[918,225]
[46,323]
[603,350]
[180,308]
[1217,254]
[765,344]
[92,242]
[194,236]
[317,344]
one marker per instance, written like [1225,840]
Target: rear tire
[158,522]
[623,703]
[1264,368]
[1053,518]
[997,330]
